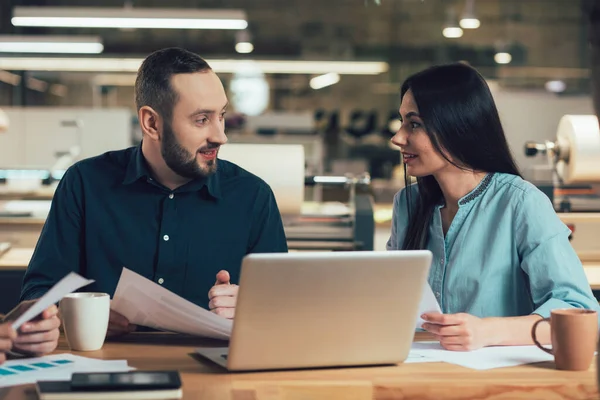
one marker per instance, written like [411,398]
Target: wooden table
[204,380]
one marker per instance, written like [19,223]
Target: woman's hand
[458,332]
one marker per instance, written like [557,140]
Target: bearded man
[168,209]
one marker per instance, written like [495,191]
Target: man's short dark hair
[153,83]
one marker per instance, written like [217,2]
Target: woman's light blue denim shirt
[505,254]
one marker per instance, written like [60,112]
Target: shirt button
[442,261]
[437,294]
[161,281]
[171,195]
[166,238]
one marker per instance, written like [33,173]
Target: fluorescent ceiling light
[155,18]
[51,44]
[452,32]
[556,86]
[302,67]
[321,81]
[469,20]
[330,179]
[243,42]
[469,23]
[502,57]
[451,29]
[219,66]
[244,47]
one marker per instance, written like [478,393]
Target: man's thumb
[222,278]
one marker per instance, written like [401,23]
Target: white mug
[85,320]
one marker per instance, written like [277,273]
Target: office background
[321,75]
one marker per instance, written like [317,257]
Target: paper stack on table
[146,303]
[58,367]
[485,358]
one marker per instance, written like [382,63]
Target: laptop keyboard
[224,356]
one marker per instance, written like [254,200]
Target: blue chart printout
[54,367]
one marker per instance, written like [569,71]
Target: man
[167,209]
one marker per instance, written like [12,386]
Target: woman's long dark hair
[461,120]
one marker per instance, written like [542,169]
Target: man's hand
[459,332]
[223,296]
[38,336]
[118,325]
[7,336]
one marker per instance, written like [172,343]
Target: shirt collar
[137,169]
[473,194]
[478,191]
[214,183]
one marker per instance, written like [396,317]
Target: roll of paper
[579,137]
[280,165]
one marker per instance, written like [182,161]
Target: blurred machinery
[574,158]
[310,224]
[335,226]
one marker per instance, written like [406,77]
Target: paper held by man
[146,303]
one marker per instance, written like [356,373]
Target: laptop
[324,309]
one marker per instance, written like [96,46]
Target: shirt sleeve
[555,273]
[58,250]
[267,233]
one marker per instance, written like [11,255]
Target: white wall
[36,134]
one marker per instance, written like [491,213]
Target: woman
[502,257]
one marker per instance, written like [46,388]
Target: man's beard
[181,161]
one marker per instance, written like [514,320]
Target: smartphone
[124,381]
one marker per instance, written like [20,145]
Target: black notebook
[61,390]
[150,385]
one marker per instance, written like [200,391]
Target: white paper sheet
[428,304]
[486,358]
[66,285]
[146,303]
[58,367]
[418,357]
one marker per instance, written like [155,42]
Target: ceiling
[547,39]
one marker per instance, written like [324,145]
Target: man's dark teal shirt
[108,213]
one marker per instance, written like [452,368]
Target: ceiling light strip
[128,18]
[220,66]
[50,44]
